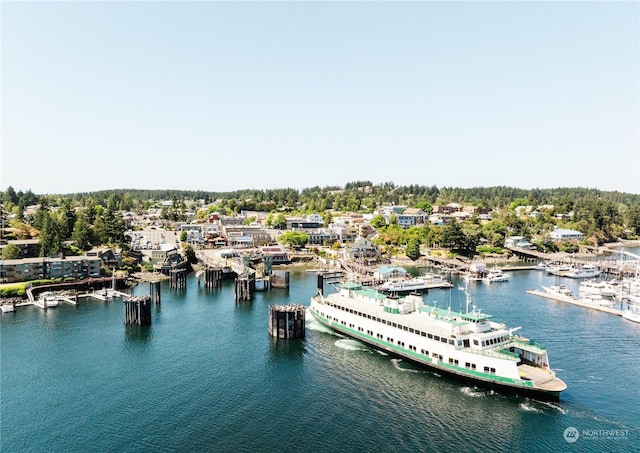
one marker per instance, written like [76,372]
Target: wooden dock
[572,300]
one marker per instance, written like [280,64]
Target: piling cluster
[178,279]
[212,277]
[287,321]
[245,286]
[137,311]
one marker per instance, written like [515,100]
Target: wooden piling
[245,286]
[212,277]
[154,291]
[137,311]
[178,279]
[287,321]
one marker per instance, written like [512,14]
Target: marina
[232,376]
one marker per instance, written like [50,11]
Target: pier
[571,300]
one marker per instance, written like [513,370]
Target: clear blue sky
[222,96]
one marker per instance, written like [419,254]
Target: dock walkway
[571,300]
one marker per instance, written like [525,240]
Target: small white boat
[599,288]
[49,299]
[415,284]
[495,275]
[595,299]
[558,290]
[583,271]
[6,308]
[558,269]
[631,315]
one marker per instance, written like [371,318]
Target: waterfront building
[26,269]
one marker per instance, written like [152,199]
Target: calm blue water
[206,376]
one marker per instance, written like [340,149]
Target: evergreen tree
[81,232]
[50,240]
[413,249]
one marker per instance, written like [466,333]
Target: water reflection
[137,334]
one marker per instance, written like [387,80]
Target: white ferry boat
[416,284]
[469,345]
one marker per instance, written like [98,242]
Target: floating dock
[571,300]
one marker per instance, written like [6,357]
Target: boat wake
[396,364]
[553,406]
[318,327]
[472,391]
[527,406]
[350,345]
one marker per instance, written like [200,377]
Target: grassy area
[19,289]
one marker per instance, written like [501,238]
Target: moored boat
[583,271]
[416,284]
[558,290]
[495,275]
[48,299]
[631,315]
[600,288]
[470,345]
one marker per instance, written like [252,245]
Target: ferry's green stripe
[422,358]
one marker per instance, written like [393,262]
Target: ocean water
[206,376]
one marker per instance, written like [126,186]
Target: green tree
[413,249]
[280,222]
[81,234]
[189,253]
[295,239]
[67,218]
[11,252]
[50,240]
[378,221]
[183,236]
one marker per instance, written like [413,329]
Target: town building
[76,267]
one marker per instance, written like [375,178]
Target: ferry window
[394,324]
[451,341]
[486,369]
[443,340]
[492,370]
[484,343]
[424,334]
[455,361]
[467,365]
[440,358]
[473,366]
[405,328]
[475,342]
[411,330]
[429,335]
[434,355]
[436,337]
[450,360]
